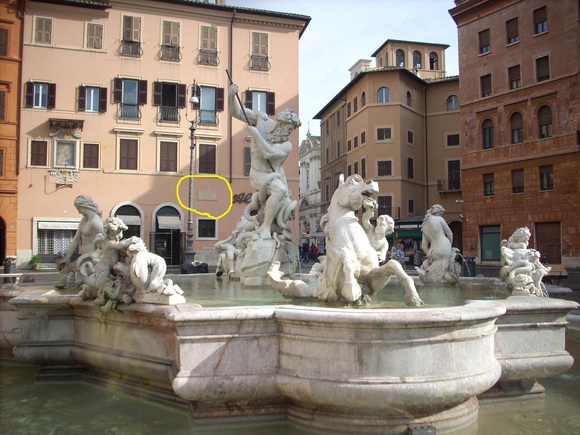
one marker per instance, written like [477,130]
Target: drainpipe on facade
[230,61]
[426,150]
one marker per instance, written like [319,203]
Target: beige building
[310,205]
[398,124]
[520,125]
[105,112]
[10,63]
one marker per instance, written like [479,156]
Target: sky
[343,31]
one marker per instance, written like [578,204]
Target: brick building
[520,125]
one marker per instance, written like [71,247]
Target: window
[348,112]
[454,175]
[545,122]
[490,242]
[485,82]
[348,170]
[169,98]
[259,57]
[337,148]
[385,205]
[410,137]
[363,168]
[65,154]
[167,156]
[546,177]
[170,41]
[95,36]
[411,206]
[484,44]
[409,100]
[43,30]
[487,134]
[384,168]
[410,168]
[130,94]
[2,105]
[543,68]
[92,99]
[38,153]
[206,228]
[518,181]
[540,20]
[337,119]
[128,154]
[355,141]
[1,162]
[211,102]
[400,58]
[208,54]
[355,104]
[514,76]
[453,140]
[131,42]
[384,95]
[517,128]
[433,61]
[488,185]
[453,102]
[3,42]
[363,137]
[40,95]
[349,145]
[247,161]
[512,31]
[207,159]
[355,168]
[363,99]
[417,60]
[90,155]
[384,133]
[259,101]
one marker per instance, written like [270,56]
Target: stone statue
[111,269]
[90,226]
[271,206]
[234,246]
[350,269]
[377,234]
[521,267]
[439,264]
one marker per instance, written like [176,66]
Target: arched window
[417,60]
[433,61]
[408,99]
[384,95]
[400,58]
[487,134]
[363,99]
[517,128]
[545,122]
[453,102]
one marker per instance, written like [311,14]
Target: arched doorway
[166,240]
[132,218]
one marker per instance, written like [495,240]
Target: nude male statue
[270,148]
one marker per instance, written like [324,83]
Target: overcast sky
[343,31]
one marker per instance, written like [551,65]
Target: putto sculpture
[271,207]
[350,270]
[439,264]
[521,266]
[113,270]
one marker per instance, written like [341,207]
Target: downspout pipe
[230,63]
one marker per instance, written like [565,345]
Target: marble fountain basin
[331,369]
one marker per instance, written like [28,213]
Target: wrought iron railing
[260,63]
[170,52]
[130,48]
[129,111]
[169,114]
[449,185]
[208,57]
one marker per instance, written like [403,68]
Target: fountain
[339,364]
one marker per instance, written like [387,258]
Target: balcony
[170,52]
[208,57]
[259,63]
[208,117]
[449,185]
[169,114]
[129,111]
[130,48]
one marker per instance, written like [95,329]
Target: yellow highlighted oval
[203,213]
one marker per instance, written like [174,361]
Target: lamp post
[189,253]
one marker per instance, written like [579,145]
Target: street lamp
[189,253]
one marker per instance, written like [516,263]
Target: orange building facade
[520,125]
[109,117]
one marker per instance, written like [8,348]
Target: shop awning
[130,220]
[414,234]
[169,223]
